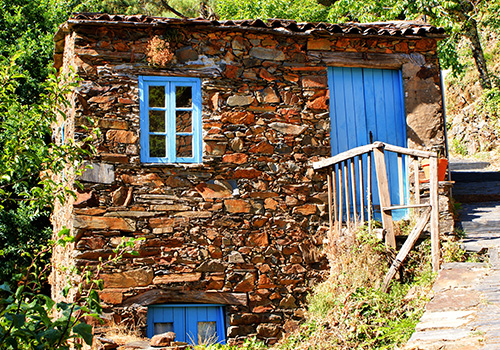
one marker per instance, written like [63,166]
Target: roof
[287,27]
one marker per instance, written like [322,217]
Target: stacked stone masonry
[244,228]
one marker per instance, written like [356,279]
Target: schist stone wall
[245,227]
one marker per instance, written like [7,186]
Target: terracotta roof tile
[394,29]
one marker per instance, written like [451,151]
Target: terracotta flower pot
[442,166]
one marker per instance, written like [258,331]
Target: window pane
[163,327]
[183,121]
[207,332]
[183,96]
[157,146]
[156,121]
[184,146]
[156,96]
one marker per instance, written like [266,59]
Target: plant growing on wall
[159,52]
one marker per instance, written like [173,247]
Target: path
[465,310]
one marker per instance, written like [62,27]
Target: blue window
[191,323]
[170,110]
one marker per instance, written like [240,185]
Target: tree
[461,18]
[302,11]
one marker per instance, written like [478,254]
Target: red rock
[163,222]
[238,118]
[103,223]
[259,222]
[111,296]
[215,283]
[132,278]
[86,199]
[236,158]
[141,180]
[215,252]
[290,250]
[291,77]
[314,81]
[101,99]
[262,147]
[177,278]
[320,103]
[237,206]
[125,101]
[215,148]
[176,181]
[265,282]
[231,72]
[268,330]
[244,318]
[90,211]
[268,95]
[264,74]
[247,284]
[318,44]
[306,209]
[262,109]
[262,309]
[259,239]
[113,124]
[249,173]
[239,43]
[164,339]
[213,191]
[293,269]
[121,46]
[121,136]
[215,101]
[114,158]
[288,302]
[270,203]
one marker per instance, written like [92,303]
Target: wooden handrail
[343,173]
[342,156]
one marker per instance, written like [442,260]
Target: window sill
[174,165]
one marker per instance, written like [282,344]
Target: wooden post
[341,200]
[346,188]
[369,190]
[354,194]
[405,249]
[384,195]
[416,172]
[361,187]
[401,180]
[434,202]
[330,195]
[334,184]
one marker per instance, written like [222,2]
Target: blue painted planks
[367,105]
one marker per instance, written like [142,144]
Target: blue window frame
[191,323]
[170,111]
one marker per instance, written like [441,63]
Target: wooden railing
[346,173]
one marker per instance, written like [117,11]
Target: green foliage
[188,8]
[349,311]
[490,102]
[248,344]
[30,320]
[306,10]
[26,31]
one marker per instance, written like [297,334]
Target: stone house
[208,133]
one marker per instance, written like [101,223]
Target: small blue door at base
[191,323]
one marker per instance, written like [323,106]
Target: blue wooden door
[367,105]
[191,323]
